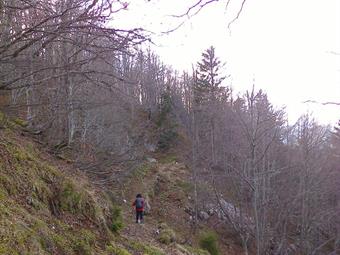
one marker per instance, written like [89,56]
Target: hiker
[139,205]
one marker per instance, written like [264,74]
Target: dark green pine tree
[166,122]
[207,86]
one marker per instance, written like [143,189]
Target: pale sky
[284,45]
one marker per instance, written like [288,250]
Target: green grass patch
[84,244]
[145,249]
[8,185]
[116,219]
[208,241]
[142,170]
[115,250]
[185,186]
[76,201]
[20,122]
[31,190]
[170,158]
[166,235]
[70,198]
[3,120]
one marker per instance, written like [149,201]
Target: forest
[92,94]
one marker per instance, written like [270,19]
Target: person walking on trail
[139,205]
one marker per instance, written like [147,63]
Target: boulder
[150,147]
[151,160]
[203,215]
[230,209]
[211,211]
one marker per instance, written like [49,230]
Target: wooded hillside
[91,95]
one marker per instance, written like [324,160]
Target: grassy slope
[47,210]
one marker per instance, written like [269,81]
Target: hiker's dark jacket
[139,200]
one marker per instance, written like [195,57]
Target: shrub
[145,249]
[3,120]
[167,235]
[76,200]
[116,219]
[70,198]
[208,241]
[84,243]
[142,170]
[21,122]
[115,250]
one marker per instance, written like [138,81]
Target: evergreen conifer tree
[207,86]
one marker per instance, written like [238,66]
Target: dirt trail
[147,232]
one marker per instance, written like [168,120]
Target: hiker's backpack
[139,203]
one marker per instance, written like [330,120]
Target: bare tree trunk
[194,163]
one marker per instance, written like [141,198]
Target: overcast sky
[286,46]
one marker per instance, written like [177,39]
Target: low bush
[116,219]
[208,241]
[167,235]
[115,250]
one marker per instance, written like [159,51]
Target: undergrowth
[208,241]
[47,211]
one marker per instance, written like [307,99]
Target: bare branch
[238,13]
[322,103]
[199,4]
[173,29]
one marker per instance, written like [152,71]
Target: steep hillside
[47,207]
[167,184]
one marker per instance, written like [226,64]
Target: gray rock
[233,213]
[203,215]
[29,200]
[150,147]
[211,211]
[209,207]
[151,160]
[229,209]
